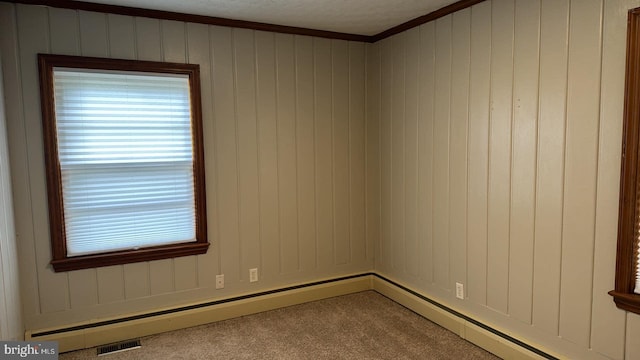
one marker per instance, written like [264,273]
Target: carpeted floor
[365,325]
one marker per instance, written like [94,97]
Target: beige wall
[498,130]
[284,151]
[11,327]
[489,156]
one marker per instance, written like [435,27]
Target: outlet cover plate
[459,290]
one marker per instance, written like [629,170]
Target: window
[627,287]
[124,160]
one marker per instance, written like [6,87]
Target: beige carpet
[365,325]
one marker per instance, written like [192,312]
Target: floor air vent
[118,347]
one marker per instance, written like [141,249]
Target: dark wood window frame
[629,208]
[60,261]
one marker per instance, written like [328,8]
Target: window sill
[128,256]
[626,301]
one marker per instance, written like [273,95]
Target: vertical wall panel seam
[403,194]
[161,36]
[365,157]
[258,144]
[315,154]
[381,153]
[390,256]
[564,162]
[123,282]
[349,163]
[433,148]
[107,34]
[185,30]
[295,132]
[79,39]
[277,121]
[375,213]
[422,115]
[597,160]
[417,150]
[449,164]
[432,142]
[333,154]
[211,54]
[537,166]
[488,168]
[511,157]
[403,191]
[421,123]
[379,259]
[365,154]
[295,144]
[418,127]
[315,151]
[467,153]
[379,149]
[135,38]
[384,243]
[234,72]
[368,237]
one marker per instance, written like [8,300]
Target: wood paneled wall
[481,148]
[284,149]
[11,326]
[498,131]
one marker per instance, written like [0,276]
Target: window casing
[627,282]
[124,160]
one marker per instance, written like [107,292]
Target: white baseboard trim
[130,326]
[87,335]
[467,328]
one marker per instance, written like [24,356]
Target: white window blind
[125,151]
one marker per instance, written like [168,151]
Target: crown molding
[212,20]
[456,6]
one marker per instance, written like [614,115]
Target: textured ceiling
[363,17]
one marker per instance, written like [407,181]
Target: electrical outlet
[253,275]
[459,290]
[220,281]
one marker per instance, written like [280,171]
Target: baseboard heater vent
[118,347]
[192,307]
